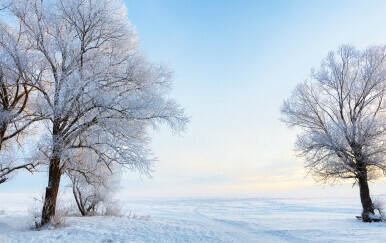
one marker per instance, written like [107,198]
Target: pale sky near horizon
[234,63]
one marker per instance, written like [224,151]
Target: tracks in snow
[242,232]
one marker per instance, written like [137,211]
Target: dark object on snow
[371,220]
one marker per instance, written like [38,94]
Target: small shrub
[35,212]
[112,208]
[379,206]
[134,216]
[59,220]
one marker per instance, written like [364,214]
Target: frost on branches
[94,185]
[341,112]
[97,93]
[18,75]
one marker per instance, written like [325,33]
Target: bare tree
[341,113]
[98,93]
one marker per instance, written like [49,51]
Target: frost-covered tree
[98,93]
[93,184]
[341,112]
[17,78]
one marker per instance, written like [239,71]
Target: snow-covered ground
[257,219]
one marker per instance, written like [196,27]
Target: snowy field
[264,219]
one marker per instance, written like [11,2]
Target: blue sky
[234,63]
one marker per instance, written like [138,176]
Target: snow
[255,219]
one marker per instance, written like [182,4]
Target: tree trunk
[51,191]
[3,129]
[78,200]
[367,204]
